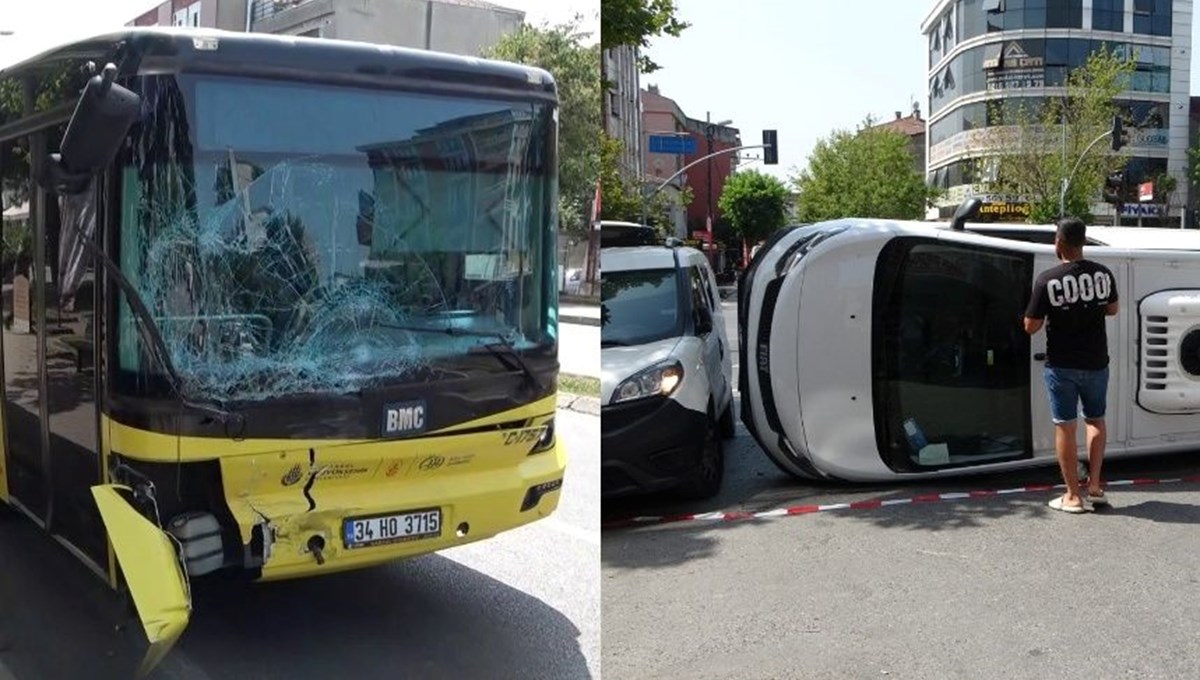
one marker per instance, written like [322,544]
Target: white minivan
[666,385]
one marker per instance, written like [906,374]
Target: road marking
[571,530]
[871,504]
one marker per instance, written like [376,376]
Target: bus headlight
[546,439]
[661,379]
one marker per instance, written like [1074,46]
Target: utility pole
[709,132]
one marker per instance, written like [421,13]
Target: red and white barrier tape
[737,515]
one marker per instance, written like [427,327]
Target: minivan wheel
[728,425]
[705,480]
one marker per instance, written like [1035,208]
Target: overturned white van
[875,350]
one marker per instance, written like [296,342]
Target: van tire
[728,424]
[705,480]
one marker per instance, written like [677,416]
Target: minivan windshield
[638,306]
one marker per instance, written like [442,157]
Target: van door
[714,345]
[1118,339]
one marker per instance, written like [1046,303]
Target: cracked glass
[291,237]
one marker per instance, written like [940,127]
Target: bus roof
[169,49]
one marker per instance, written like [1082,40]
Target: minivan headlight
[661,379]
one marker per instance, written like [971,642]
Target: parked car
[666,372]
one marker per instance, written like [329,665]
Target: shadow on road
[753,484]
[429,617]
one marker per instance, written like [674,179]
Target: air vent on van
[1169,366]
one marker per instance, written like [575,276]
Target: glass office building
[1020,51]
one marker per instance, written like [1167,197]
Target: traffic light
[770,148]
[1120,136]
[1114,188]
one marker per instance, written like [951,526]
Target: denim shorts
[1070,386]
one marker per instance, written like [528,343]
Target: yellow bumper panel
[477,485]
[151,566]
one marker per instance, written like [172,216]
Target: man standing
[1075,296]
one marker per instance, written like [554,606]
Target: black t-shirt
[1073,297]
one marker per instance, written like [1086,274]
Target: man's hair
[1072,232]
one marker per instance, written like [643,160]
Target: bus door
[50,415]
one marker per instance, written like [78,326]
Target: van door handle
[1040,356]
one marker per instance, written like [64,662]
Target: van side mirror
[704,321]
[101,120]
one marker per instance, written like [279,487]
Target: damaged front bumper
[296,510]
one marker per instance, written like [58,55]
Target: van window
[701,295]
[951,359]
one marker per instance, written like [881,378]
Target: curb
[579,320]
[872,504]
[567,401]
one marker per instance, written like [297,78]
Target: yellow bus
[275,306]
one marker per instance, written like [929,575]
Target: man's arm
[1111,308]
[1033,325]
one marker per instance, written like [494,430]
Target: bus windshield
[292,237]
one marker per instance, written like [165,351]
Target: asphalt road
[972,587]
[522,605]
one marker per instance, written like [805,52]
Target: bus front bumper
[306,530]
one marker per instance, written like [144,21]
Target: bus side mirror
[101,120]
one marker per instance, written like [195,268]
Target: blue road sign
[672,144]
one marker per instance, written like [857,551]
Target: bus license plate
[360,532]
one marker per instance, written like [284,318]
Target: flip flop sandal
[1101,499]
[1056,503]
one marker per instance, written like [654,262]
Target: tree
[1041,146]
[576,71]
[635,22]
[866,173]
[755,204]
[622,199]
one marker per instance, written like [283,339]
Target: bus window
[348,234]
[951,358]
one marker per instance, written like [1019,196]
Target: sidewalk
[583,315]
[6,674]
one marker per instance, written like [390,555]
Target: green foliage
[576,71]
[1033,163]
[635,22]
[622,199]
[867,173]
[755,204]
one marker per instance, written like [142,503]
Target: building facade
[464,27]
[228,15]
[623,107]
[984,52]
[707,179]
[913,127]
[661,116]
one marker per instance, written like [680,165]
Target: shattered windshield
[292,238]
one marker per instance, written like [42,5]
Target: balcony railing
[265,9]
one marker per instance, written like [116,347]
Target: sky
[802,67]
[32,20]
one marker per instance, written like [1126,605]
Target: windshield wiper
[500,349]
[613,343]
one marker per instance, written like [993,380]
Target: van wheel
[705,481]
[728,425]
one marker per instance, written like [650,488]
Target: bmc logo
[404,418]
[1068,290]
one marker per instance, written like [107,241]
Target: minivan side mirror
[101,120]
[704,321]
